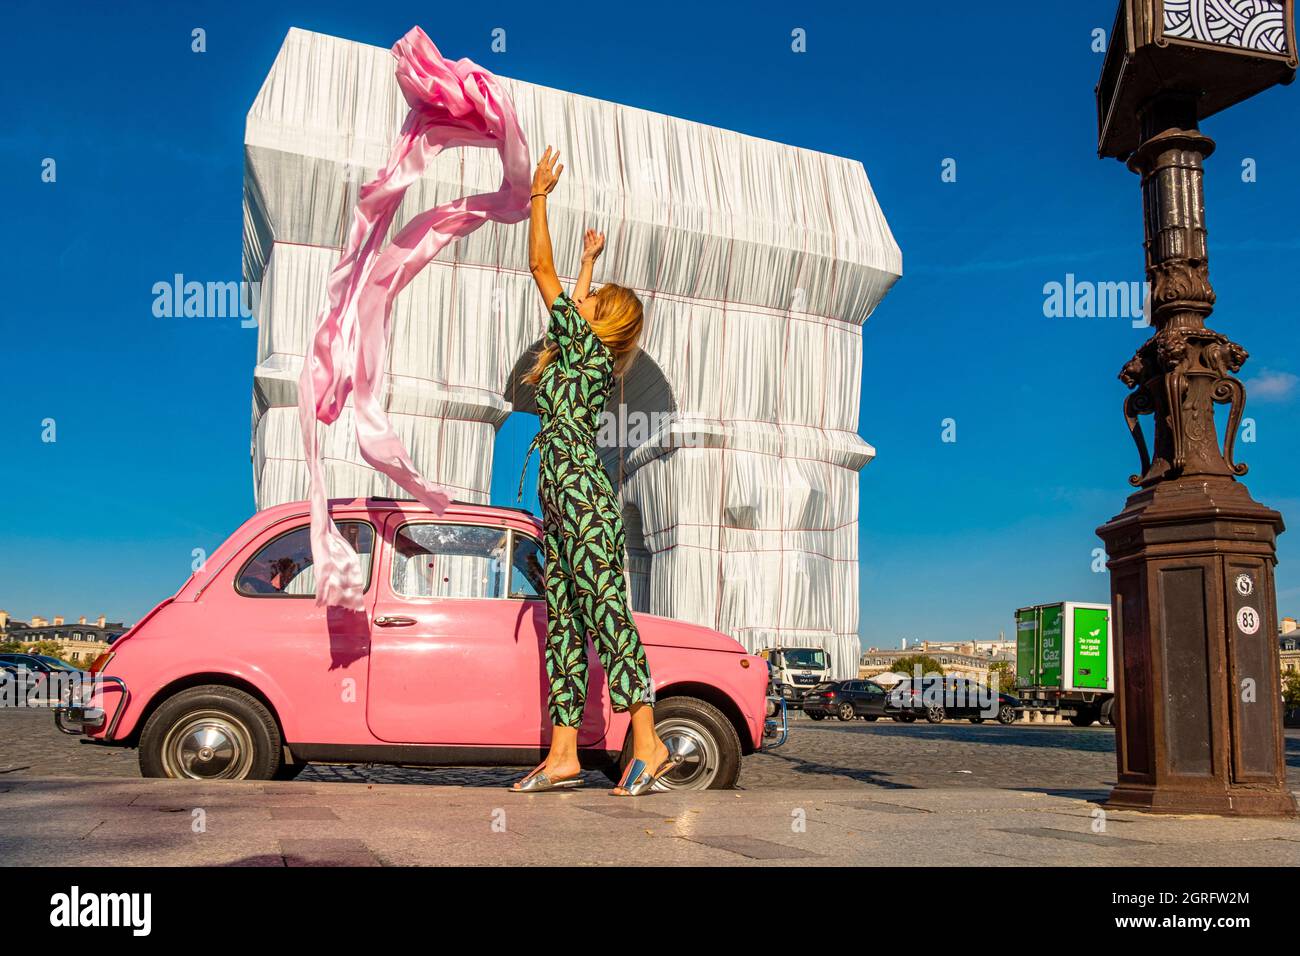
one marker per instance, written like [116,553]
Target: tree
[1004,674]
[908,665]
[47,649]
[1291,688]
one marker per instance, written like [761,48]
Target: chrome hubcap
[697,750]
[208,745]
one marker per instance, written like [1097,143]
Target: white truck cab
[796,671]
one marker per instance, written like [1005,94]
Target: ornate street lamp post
[1198,712]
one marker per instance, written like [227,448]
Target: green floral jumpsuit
[582,527]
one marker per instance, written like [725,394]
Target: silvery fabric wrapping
[732,439]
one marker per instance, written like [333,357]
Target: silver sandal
[637,778]
[537,781]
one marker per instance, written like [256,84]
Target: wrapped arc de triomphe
[733,440]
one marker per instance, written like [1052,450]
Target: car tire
[935,715]
[211,733]
[704,734]
[846,712]
[1085,717]
[1007,715]
[1107,712]
[870,718]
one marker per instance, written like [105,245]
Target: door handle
[387,620]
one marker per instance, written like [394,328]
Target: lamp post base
[1198,710]
[1235,802]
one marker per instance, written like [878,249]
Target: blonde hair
[618,322]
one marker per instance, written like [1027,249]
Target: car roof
[458,507]
[376,508]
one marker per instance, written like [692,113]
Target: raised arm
[593,243]
[541,260]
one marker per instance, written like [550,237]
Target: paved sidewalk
[122,821]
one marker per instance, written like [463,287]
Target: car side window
[449,560]
[283,566]
[527,568]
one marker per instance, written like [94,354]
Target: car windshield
[812,657]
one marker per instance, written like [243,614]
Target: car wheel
[934,715]
[1007,714]
[704,738]
[1107,715]
[211,733]
[1084,718]
[846,712]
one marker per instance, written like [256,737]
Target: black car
[28,671]
[845,699]
[938,699]
[37,663]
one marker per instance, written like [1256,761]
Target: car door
[850,691]
[456,639]
[873,699]
[443,642]
[968,698]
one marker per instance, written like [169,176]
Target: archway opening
[641,402]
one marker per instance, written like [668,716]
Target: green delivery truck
[1065,661]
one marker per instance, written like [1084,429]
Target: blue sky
[151,459]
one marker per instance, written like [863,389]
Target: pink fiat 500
[241,676]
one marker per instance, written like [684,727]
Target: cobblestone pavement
[826,755]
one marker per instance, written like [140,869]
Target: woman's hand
[547,173]
[541,260]
[593,244]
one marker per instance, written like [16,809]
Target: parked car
[29,673]
[16,678]
[938,699]
[39,663]
[240,675]
[846,700]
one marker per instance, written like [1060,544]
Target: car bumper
[776,727]
[76,717]
[794,694]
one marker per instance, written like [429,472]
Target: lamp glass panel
[1258,25]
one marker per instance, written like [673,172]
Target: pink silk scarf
[452,104]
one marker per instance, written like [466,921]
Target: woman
[593,336]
